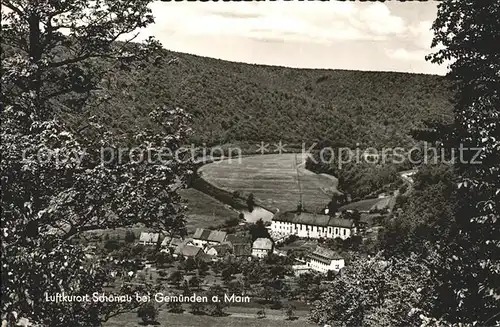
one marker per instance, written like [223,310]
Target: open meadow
[276,180]
[204,211]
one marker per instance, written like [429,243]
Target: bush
[147,312]
[276,305]
[111,245]
[129,237]
[162,259]
[138,249]
[261,313]
[231,222]
[197,308]
[176,278]
[175,307]
[290,312]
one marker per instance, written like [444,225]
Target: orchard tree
[289,312]
[176,278]
[147,312]
[175,307]
[217,303]
[197,308]
[194,283]
[58,183]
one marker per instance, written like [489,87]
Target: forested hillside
[235,102]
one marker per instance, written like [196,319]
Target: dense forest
[244,104]
[236,103]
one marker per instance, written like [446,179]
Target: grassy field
[238,316]
[276,180]
[205,211]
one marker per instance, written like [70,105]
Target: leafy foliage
[258,230]
[375,293]
[147,312]
[56,184]
[452,218]
[467,262]
[217,303]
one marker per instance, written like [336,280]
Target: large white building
[304,224]
[324,260]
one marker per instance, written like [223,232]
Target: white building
[149,238]
[324,260]
[262,247]
[311,225]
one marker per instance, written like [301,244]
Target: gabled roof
[304,218]
[263,244]
[201,233]
[314,219]
[217,236]
[172,241]
[188,250]
[176,241]
[325,255]
[166,241]
[222,249]
[209,235]
[149,237]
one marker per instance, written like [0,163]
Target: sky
[389,36]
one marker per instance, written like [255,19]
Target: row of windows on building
[321,264]
[313,229]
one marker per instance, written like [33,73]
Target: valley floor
[238,316]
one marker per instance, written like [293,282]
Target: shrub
[147,312]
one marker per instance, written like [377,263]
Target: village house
[262,247]
[149,238]
[324,260]
[170,244]
[219,250]
[166,242]
[203,237]
[188,251]
[310,225]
